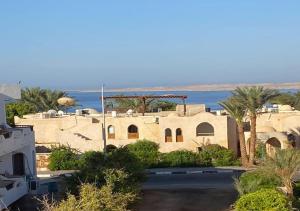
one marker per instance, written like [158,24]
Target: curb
[193,172]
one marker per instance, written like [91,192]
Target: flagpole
[103,121]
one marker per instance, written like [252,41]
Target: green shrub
[112,195]
[122,158]
[17,109]
[93,164]
[179,158]
[91,160]
[260,152]
[203,160]
[220,155]
[252,181]
[146,151]
[263,200]
[63,158]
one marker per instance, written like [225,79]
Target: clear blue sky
[80,44]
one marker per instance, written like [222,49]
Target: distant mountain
[210,87]
[203,87]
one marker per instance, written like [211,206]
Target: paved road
[188,192]
[204,180]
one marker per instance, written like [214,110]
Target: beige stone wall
[65,130]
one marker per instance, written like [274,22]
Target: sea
[209,98]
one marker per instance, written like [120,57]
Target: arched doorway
[179,136]
[168,135]
[18,164]
[205,129]
[272,145]
[133,132]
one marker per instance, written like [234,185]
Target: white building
[17,153]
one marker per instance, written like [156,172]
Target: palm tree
[238,112]
[42,99]
[253,99]
[285,163]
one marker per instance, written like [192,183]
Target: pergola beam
[145,97]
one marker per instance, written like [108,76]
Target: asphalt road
[206,180]
[188,192]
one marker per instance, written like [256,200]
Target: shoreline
[197,87]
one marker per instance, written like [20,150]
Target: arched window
[133,132]
[111,132]
[18,164]
[205,129]
[168,135]
[179,137]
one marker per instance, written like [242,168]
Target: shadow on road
[209,199]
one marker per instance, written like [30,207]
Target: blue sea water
[209,98]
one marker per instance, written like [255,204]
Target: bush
[179,158]
[17,109]
[93,164]
[63,158]
[255,180]
[260,152]
[122,158]
[263,200]
[146,151]
[112,195]
[203,160]
[220,155]
[91,160]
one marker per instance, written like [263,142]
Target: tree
[137,104]
[238,112]
[292,99]
[17,109]
[113,195]
[253,99]
[284,164]
[42,99]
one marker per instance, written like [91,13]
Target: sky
[74,44]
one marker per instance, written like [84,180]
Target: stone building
[171,130]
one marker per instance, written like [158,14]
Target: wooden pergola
[145,97]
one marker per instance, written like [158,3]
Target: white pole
[103,121]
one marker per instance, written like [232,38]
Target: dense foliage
[112,195]
[263,200]
[146,151]
[292,99]
[256,180]
[42,99]
[92,166]
[220,155]
[17,109]
[136,104]
[285,164]
[63,158]
[261,152]
[184,158]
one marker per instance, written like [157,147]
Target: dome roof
[265,129]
